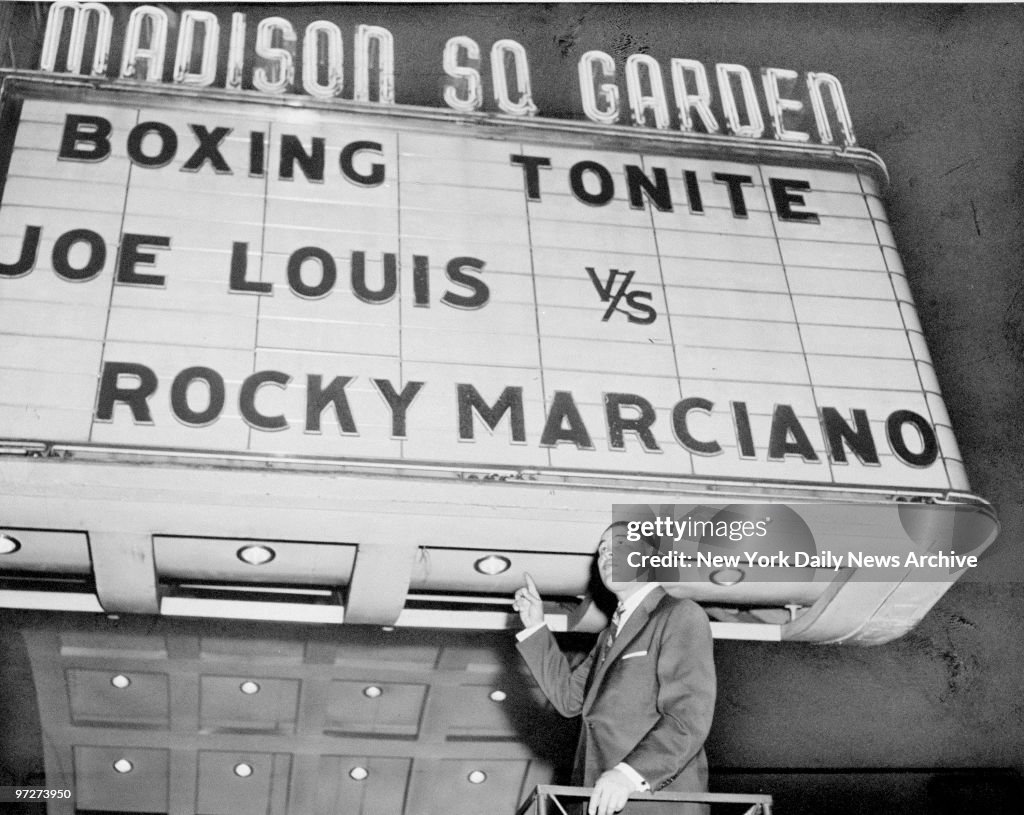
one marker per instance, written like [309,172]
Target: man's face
[612,539]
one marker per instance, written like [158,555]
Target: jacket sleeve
[564,685]
[686,698]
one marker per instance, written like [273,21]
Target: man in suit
[646,692]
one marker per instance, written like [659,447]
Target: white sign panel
[182,274]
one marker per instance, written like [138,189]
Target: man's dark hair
[614,524]
[650,540]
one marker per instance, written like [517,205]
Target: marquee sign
[391,356]
[334,59]
[182,271]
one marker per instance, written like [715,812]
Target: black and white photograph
[511,408]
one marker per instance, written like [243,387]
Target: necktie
[613,630]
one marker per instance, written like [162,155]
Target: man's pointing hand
[528,603]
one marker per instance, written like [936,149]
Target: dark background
[933,722]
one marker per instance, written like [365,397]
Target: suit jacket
[648,703]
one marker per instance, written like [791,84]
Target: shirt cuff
[637,779]
[528,632]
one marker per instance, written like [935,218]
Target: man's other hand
[528,603]
[610,793]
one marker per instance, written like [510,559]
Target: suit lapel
[634,625]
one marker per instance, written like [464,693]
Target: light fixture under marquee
[123,766]
[249,687]
[372,691]
[256,555]
[243,770]
[9,544]
[727,577]
[477,777]
[492,565]
[120,681]
[358,773]
[498,696]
